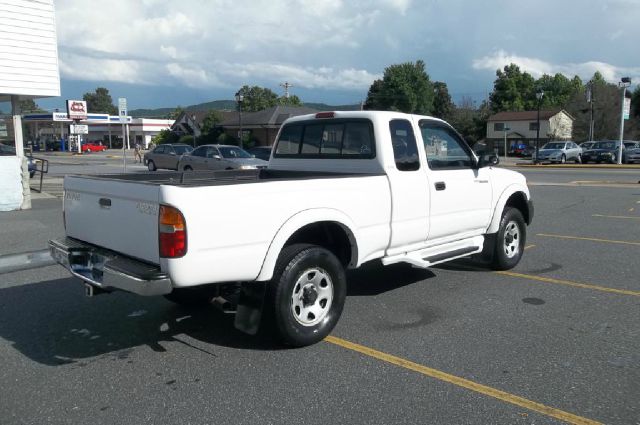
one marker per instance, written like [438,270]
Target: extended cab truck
[341,189]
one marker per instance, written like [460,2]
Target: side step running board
[431,256]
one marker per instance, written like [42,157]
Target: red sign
[77,109]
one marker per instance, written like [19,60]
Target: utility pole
[591,100]
[286,86]
[623,84]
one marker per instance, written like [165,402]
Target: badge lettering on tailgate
[71,196]
[145,208]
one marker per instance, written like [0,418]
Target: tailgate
[118,215]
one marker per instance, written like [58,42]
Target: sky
[160,53]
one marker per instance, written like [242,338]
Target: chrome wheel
[511,239]
[312,297]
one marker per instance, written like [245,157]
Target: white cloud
[537,67]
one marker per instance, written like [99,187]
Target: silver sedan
[219,157]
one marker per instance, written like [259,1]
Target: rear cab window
[340,138]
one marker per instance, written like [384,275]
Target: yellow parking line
[570,283]
[588,239]
[528,247]
[624,217]
[462,382]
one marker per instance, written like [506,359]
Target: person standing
[137,152]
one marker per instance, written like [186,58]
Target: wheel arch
[329,228]
[515,196]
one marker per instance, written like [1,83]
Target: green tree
[292,100]
[100,101]
[513,90]
[165,136]
[173,115]
[257,98]
[404,87]
[210,129]
[635,103]
[442,105]
[29,105]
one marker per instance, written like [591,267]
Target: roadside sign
[122,109]
[626,110]
[60,116]
[77,109]
[79,129]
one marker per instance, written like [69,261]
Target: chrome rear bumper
[108,270]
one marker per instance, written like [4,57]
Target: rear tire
[188,168]
[563,159]
[510,240]
[151,166]
[579,159]
[306,294]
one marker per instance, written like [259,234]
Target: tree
[404,87]
[28,105]
[100,102]
[513,90]
[165,136]
[173,115]
[257,98]
[290,101]
[442,105]
[635,102]
[210,129]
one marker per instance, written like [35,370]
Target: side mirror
[488,160]
[218,157]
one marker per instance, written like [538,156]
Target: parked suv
[559,152]
[165,156]
[219,157]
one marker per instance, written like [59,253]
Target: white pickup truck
[341,189]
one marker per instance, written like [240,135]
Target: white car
[559,152]
[341,189]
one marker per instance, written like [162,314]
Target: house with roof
[261,126]
[520,128]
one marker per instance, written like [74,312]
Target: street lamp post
[623,84]
[240,99]
[505,141]
[539,95]
[193,122]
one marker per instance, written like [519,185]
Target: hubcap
[511,239]
[312,296]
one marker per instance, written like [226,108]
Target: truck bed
[222,177]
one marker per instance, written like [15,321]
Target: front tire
[151,166]
[307,294]
[510,240]
[188,168]
[563,159]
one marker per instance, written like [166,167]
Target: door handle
[440,186]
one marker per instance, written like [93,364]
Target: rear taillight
[173,232]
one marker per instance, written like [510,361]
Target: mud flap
[250,306]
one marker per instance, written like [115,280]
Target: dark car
[11,151]
[166,156]
[604,151]
[260,152]
[631,152]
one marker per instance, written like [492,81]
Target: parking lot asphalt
[553,341]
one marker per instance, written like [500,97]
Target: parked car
[587,145]
[6,150]
[603,151]
[219,157]
[165,156]
[631,152]
[89,147]
[261,152]
[559,152]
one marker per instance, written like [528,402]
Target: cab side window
[405,151]
[444,148]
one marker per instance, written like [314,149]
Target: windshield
[605,145]
[182,149]
[233,152]
[554,146]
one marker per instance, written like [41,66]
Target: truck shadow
[374,279]
[53,323]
